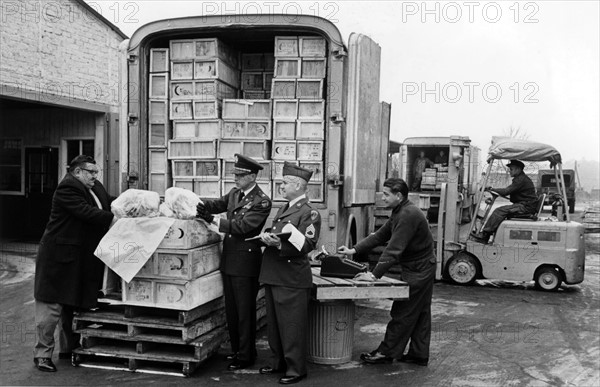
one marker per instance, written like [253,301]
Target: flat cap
[244,164]
[290,169]
[516,163]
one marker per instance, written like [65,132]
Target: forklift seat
[534,216]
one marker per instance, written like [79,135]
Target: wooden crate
[244,108]
[207,129]
[246,129]
[252,80]
[285,109]
[277,169]
[284,150]
[268,79]
[253,62]
[158,135]
[158,171]
[310,150]
[286,46]
[192,149]
[181,110]
[310,130]
[158,111]
[287,68]
[269,61]
[205,187]
[311,110]
[196,168]
[316,167]
[173,293]
[262,175]
[265,186]
[312,46]
[309,89]
[315,68]
[256,149]
[188,234]
[207,109]
[284,129]
[216,69]
[182,69]
[259,109]
[206,90]
[211,48]
[159,60]
[187,264]
[182,49]
[283,88]
[254,94]
[159,86]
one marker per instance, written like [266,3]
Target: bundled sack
[136,203]
[179,203]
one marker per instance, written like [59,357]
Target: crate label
[234,129]
[205,69]
[139,290]
[259,130]
[286,46]
[207,168]
[169,293]
[284,150]
[172,265]
[310,151]
[205,110]
[182,89]
[181,110]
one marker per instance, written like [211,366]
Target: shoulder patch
[314,214]
[264,203]
[310,231]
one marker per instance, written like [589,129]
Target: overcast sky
[474,68]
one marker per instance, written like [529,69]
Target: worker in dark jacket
[410,244]
[287,276]
[247,209]
[521,193]
[67,274]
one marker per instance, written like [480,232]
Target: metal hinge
[337,118]
[131,119]
[340,53]
[131,58]
[336,181]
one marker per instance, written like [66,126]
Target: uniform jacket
[245,219]
[410,241]
[67,271]
[288,266]
[521,191]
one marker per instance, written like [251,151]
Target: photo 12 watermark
[469,92]
[469,11]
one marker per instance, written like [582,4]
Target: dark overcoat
[245,219]
[66,270]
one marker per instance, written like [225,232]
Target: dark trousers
[501,213]
[47,318]
[240,311]
[411,319]
[416,185]
[287,319]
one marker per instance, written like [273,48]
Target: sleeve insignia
[314,215]
[310,231]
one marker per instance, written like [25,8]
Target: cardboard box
[173,293]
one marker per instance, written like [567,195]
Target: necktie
[241,196]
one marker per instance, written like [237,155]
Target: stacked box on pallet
[204,73]
[299,108]
[429,179]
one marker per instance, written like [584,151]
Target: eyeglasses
[91,171]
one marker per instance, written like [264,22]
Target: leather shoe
[422,361]
[291,379]
[44,364]
[376,357]
[268,370]
[64,355]
[231,356]
[239,364]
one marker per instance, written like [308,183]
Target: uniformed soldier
[287,276]
[410,244]
[247,209]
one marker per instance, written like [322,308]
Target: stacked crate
[204,72]
[158,121]
[257,74]
[297,91]
[429,179]
[441,177]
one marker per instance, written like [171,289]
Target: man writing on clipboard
[287,276]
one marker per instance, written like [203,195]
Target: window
[524,235]
[548,236]
[79,147]
[11,167]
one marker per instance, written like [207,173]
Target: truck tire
[571,206]
[462,269]
[548,279]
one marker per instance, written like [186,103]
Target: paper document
[129,244]
[296,237]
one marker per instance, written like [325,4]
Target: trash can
[330,331]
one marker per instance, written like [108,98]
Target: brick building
[61,80]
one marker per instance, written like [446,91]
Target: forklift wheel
[463,269]
[547,278]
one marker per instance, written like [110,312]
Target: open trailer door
[362,153]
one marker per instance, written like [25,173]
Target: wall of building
[56,52]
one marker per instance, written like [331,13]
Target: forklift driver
[522,195]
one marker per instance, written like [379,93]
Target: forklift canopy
[514,149]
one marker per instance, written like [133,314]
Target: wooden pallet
[148,357]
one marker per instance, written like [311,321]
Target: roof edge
[102,18]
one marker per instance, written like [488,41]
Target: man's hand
[367,277]
[489,188]
[203,214]
[346,251]
[270,240]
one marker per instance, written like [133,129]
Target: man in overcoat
[287,277]
[68,275]
[410,244]
[247,209]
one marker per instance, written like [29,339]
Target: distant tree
[516,133]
